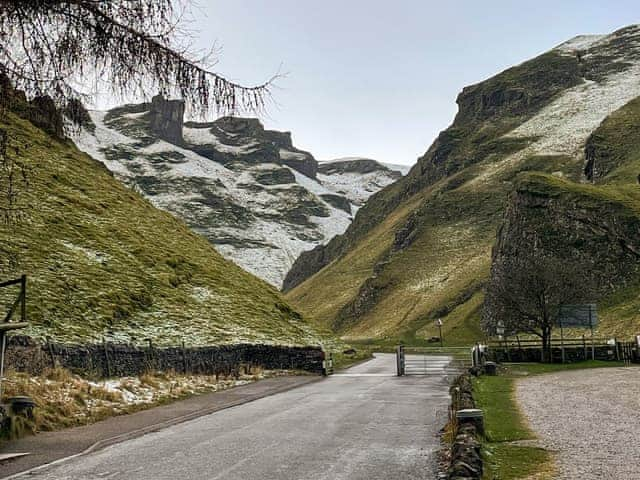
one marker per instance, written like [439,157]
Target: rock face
[426,240]
[40,110]
[166,118]
[593,229]
[248,190]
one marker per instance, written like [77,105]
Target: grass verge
[64,399]
[508,456]
[342,360]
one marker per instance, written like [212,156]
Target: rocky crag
[255,196]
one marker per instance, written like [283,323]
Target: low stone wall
[114,360]
[466,456]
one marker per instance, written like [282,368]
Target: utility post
[500,333]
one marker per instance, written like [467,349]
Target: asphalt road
[364,423]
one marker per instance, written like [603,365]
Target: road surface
[364,423]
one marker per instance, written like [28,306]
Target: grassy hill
[103,262]
[420,249]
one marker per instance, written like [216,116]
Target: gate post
[400,360]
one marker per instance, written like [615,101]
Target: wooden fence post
[51,353]
[184,358]
[106,356]
[23,294]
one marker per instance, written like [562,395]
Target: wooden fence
[564,350]
[21,300]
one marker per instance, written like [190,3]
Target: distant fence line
[568,350]
[25,354]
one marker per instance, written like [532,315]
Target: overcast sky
[379,78]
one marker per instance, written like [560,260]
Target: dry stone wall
[116,360]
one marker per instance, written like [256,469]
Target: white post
[4,346]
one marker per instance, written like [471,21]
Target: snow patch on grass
[563,126]
[91,255]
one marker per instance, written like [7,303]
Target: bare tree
[136,46]
[525,292]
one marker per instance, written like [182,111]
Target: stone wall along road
[589,418]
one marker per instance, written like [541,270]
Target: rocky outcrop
[367,297]
[356,165]
[40,110]
[337,201]
[267,146]
[248,190]
[406,234]
[166,118]
[594,230]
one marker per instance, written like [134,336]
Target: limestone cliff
[593,231]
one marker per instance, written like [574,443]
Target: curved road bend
[364,423]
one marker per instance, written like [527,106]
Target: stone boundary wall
[24,354]
[466,456]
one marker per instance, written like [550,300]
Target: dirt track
[589,418]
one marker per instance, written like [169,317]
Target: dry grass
[66,400]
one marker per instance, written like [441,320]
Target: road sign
[578,316]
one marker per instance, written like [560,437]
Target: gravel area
[589,418]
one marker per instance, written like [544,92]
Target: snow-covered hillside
[358,178]
[563,126]
[255,196]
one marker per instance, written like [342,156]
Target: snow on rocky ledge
[259,200]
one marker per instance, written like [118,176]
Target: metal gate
[437,361]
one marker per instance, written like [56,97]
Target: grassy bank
[362,353]
[509,451]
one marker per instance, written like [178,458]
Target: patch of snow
[204,136]
[356,187]
[563,126]
[289,155]
[200,294]
[92,255]
[580,42]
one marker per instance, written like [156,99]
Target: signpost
[578,316]
[500,333]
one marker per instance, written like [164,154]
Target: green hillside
[421,249]
[103,262]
